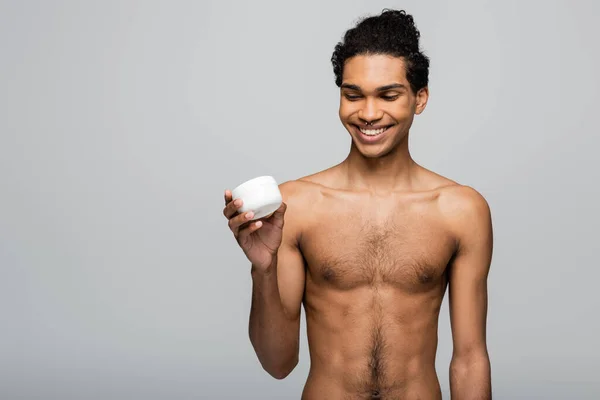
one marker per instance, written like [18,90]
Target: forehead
[374,70]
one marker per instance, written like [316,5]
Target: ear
[422,97]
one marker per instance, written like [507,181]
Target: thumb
[278,215]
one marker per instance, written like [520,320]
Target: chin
[371,153]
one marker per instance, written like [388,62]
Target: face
[377,105]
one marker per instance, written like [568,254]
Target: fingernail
[238,202]
[249,215]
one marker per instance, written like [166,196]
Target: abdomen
[372,343]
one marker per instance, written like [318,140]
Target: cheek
[401,108]
[346,110]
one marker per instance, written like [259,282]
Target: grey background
[123,122]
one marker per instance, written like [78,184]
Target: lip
[375,127]
[372,139]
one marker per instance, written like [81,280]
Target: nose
[369,113]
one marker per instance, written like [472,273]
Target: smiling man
[369,246]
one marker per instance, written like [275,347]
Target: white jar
[260,195]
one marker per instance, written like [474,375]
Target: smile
[372,132]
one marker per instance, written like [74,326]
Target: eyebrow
[379,89]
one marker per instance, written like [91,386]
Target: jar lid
[260,180]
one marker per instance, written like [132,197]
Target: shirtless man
[369,245]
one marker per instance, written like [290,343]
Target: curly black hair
[393,33]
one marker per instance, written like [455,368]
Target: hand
[259,239]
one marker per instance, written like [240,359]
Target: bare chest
[408,249]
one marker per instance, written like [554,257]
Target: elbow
[470,376]
[278,361]
[464,362]
[281,369]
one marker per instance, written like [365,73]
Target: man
[370,245]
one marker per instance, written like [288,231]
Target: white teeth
[372,132]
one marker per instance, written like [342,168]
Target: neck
[394,171]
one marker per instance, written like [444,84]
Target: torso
[375,280]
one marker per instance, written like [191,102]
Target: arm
[274,325]
[470,369]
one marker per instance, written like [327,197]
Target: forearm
[274,334]
[470,377]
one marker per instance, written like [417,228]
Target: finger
[228,196]
[244,234]
[282,208]
[236,222]
[232,208]
[278,216]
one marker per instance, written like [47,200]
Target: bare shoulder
[465,209]
[297,192]
[300,196]
[455,201]
[306,189]
[460,200]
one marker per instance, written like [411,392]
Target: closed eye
[352,97]
[390,97]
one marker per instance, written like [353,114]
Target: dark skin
[369,247]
